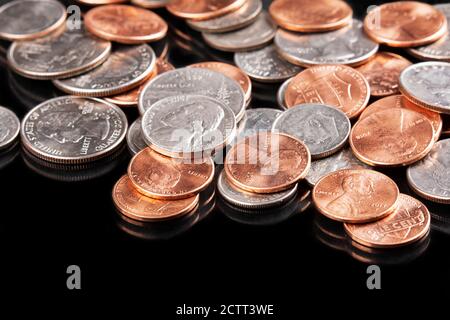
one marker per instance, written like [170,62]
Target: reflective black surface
[54,217]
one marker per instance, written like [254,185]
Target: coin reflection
[8,155]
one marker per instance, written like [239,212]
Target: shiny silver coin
[281,93]
[188,126]
[348,45]
[265,65]
[250,200]
[251,37]
[430,177]
[257,120]
[426,84]
[343,159]
[9,127]
[73,130]
[135,140]
[322,128]
[238,19]
[196,81]
[151,4]
[439,50]
[30,19]
[59,55]
[126,68]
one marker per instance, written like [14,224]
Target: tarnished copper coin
[125,24]
[161,177]
[355,195]
[267,162]
[338,86]
[98,2]
[383,72]
[399,101]
[409,223]
[203,9]
[137,206]
[392,137]
[405,24]
[231,72]
[311,15]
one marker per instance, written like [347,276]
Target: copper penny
[203,9]
[231,72]
[405,24]
[137,206]
[125,24]
[392,137]
[98,2]
[130,98]
[311,15]
[383,72]
[355,195]
[409,223]
[161,177]
[267,162]
[399,101]
[338,86]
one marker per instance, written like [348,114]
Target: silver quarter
[265,65]
[188,126]
[426,84]
[238,19]
[430,177]
[251,200]
[30,19]
[281,94]
[73,130]
[59,55]
[343,159]
[9,127]
[251,37]
[135,140]
[196,81]
[439,50]
[126,68]
[257,120]
[348,45]
[322,128]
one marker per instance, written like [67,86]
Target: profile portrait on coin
[161,174]
[4,133]
[440,170]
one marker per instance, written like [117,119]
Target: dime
[425,84]
[430,177]
[334,85]
[267,162]
[399,101]
[9,127]
[355,195]
[392,137]
[409,223]
[59,55]
[265,65]
[382,72]
[126,68]
[73,130]
[256,120]
[188,126]
[251,37]
[139,207]
[30,19]
[344,159]
[203,9]
[231,72]
[194,81]
[238,19]
[282,92]
[251,200]
[135,140]
[348,45]
[322,128]
[161,177]
[151,4]
[125,24]
[405,24]
[311,15]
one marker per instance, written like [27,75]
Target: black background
[46,225]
